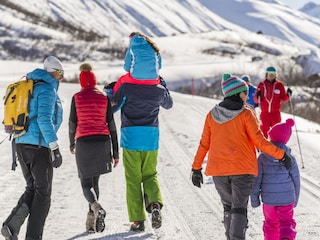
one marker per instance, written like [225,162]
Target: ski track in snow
[188,212]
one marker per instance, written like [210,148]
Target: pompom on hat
[52,64]
[231,85]
[245,78]
[85,67]
[87,79]
[281,132]
[226,76]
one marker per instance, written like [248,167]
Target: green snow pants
[141,182]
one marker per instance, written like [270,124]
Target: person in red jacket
[93,139]
[269,95]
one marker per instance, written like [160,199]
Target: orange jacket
[231,145]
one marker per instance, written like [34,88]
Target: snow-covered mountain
[67,21]
[248,34]
[311,9]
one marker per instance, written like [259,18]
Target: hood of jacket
[222,115]
[40,74]
[228,109]
[138,40]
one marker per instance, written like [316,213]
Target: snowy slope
[189,212]
[116,19]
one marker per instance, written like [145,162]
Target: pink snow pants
[279,222]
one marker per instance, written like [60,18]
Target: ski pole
[4,139]
[295,125]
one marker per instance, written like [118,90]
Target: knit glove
[286,161]
[289,92]
[197,178]
[55,155]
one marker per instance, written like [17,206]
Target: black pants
[234,192]
[36,166]
[90,188]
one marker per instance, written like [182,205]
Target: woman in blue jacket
[279,188]
[38,152]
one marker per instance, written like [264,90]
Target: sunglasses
[60,72]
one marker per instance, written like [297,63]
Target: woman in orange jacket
[230,137]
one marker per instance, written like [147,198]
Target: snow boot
[90,222]
[11,226]
[99,215]
[238,226]
[137,226]
[156,215]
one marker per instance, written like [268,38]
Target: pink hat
[87,79]
[281,132]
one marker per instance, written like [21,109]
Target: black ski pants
[234,192]
[36,166]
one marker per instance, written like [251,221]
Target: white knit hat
[52,64]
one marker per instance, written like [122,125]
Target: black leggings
[90,188]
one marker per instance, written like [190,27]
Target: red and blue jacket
[139,114]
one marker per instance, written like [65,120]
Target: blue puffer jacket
[141,60]
[139,114]
[250,100]
[45,110]
[277,185]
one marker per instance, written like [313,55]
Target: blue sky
[298,3]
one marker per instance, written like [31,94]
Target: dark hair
[152,43]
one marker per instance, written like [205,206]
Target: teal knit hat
[271,70]
[232,85]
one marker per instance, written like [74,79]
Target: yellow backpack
[16,107]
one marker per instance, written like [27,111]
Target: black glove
[109,85]
[258,94]
[163,82]
[109,89]
[197,178]
[286,160]
[56,158]
[289,92]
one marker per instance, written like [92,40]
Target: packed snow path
[188,213]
